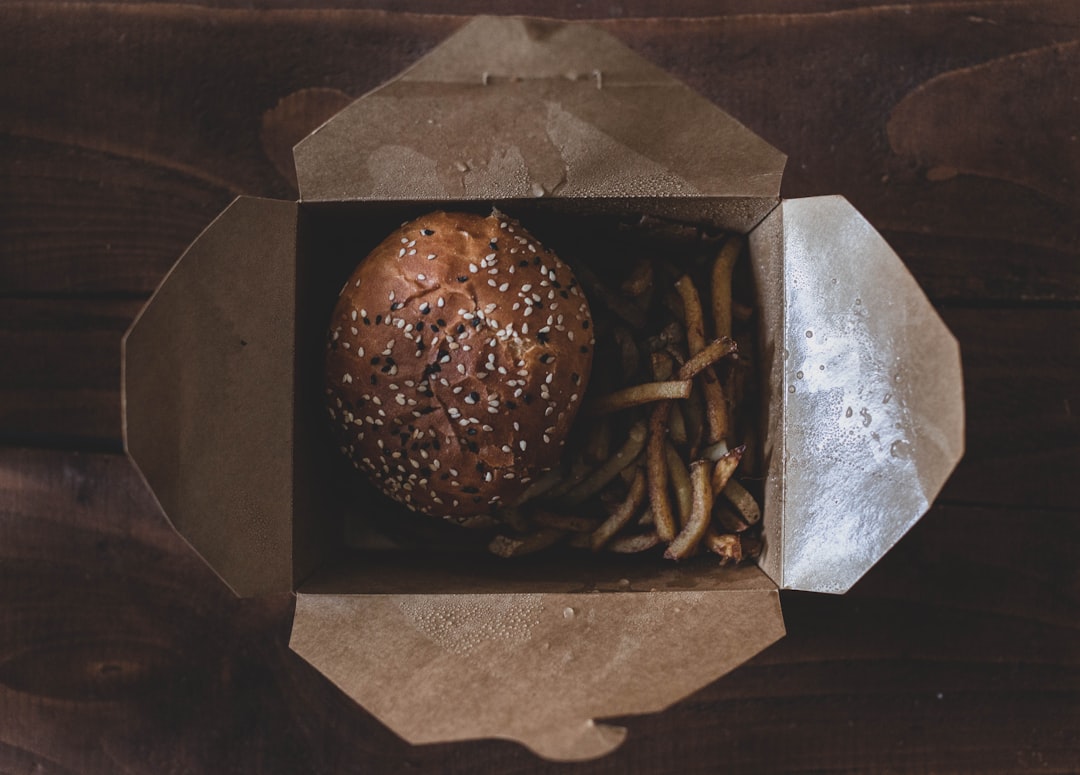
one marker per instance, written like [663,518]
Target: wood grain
[1022,391]
[125,127]
[121,635]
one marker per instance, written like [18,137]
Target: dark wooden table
[953,126]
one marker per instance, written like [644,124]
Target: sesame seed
[421,277]
[473,268]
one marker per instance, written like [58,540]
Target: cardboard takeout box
[222,404]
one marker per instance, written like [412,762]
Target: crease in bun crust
[458,355]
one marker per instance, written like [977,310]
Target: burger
[458,355]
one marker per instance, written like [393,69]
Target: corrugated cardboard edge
[207,390]
[867,395]
[538,668]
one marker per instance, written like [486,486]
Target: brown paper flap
[533,667]
[208,394]
[512,108]
[867,416]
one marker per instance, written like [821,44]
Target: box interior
[348,538]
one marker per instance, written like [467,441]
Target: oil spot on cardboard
[389,164]
[462,623]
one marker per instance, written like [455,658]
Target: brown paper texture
[866,406]
[511,108]
[220,366]
[537,667]
[208,394]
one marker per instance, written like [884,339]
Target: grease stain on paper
[462,623]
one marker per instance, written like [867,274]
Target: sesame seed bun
[459,353]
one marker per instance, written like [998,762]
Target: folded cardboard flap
[866,404]
[553,110]
[537,667]
[208,394]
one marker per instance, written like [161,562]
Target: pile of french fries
[655,461]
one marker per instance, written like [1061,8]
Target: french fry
[677,424]
[674,304]
[695,320]
[515,518]
[680,482]
[741,312]
[633,544]
[579,469]
[598,442]
[677,353]
[697,378]
[715,451]
[578,540]
[626,455]
[627,475]
[694,413]
[540,485]
[615,302]
[622,514]
[640,280]
[637,395]
[743,501]
[661,365]
[516,546]
[723,469]
[656,462]
[721,285]
[715,405]
[567,522]
[727,518]
[710,354]
[672,333]
[695,528]
[629,355]
[728,546]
